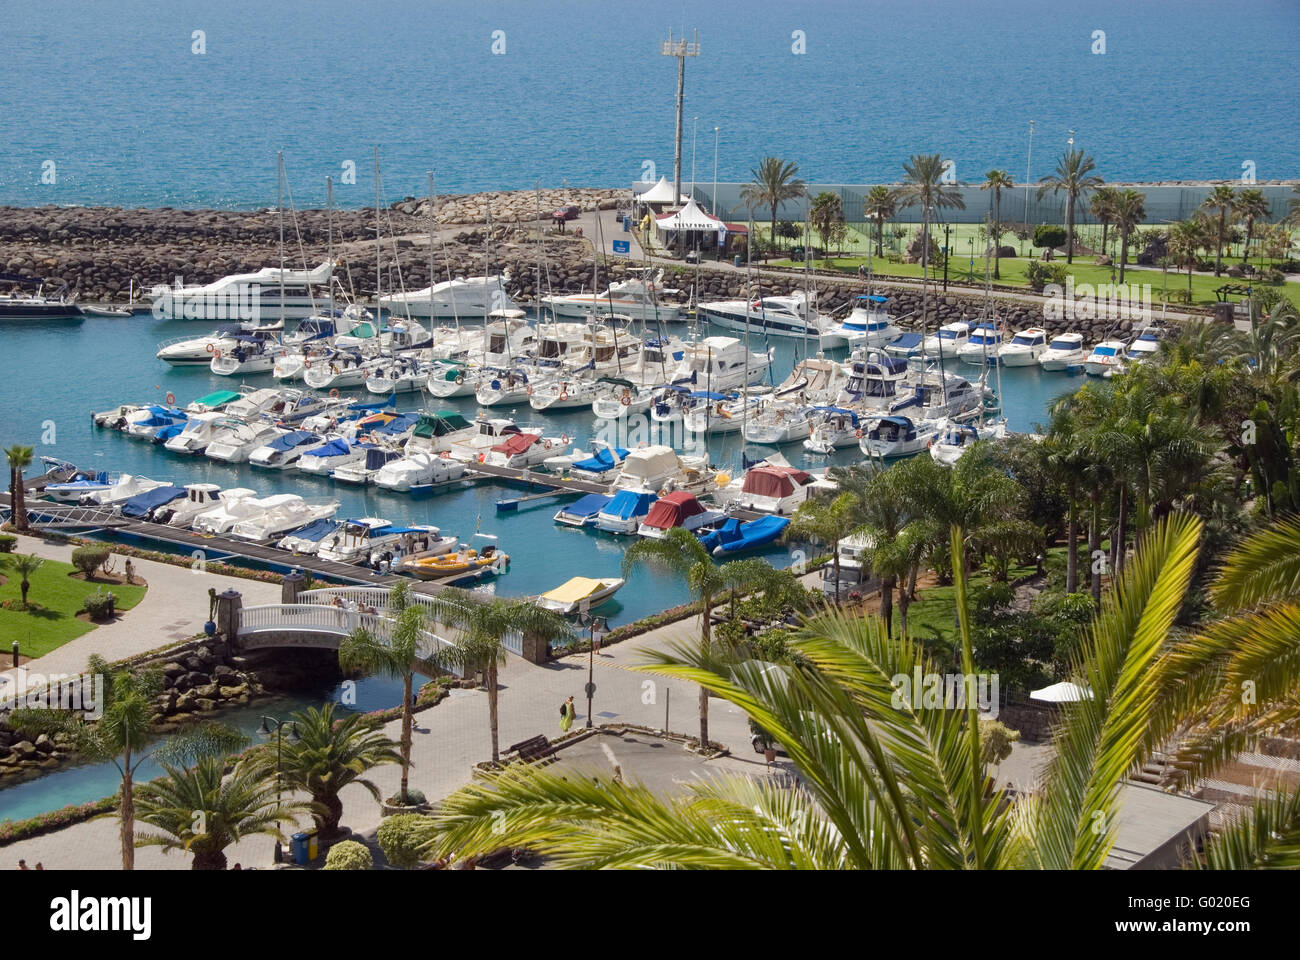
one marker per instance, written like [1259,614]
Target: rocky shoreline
[105,254]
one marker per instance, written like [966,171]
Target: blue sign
[622,246]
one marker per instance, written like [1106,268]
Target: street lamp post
[596,627]
[278,730]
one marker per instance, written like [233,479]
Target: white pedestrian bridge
[324,617]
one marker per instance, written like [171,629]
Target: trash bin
[298,849]
[313,846]
[735,261]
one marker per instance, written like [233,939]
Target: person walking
[567,712]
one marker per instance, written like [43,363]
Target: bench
[532,750]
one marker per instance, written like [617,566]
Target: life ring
[365,374]
[482,457]
[641,445]
[460,378]
[529,388]
[858,433]
[171,399]
[212,347]
[334,392]
[626,400]
[547,444]
[216,354]
[564,439]
[564,393]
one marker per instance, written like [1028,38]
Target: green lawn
[935,609]
[60,597]
[1083,269]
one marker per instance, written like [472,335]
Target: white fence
[336,622]
[376,598]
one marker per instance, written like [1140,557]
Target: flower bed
[16,830]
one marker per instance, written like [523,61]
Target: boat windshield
[1063,344]
[1104,351]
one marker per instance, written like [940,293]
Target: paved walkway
[453,736]
[174,607]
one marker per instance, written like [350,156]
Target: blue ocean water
[114,95]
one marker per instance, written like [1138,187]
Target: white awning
[689,217]
[661,192]
[1063,692]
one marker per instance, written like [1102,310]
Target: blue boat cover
[317,530]
[907,341]
[903,422]
[335,448]
[602,460]
[710,395]
[628,504]
[142,503]
[376,457]
[734,536]
[874,298]
[294,438]
[588,506]
[169,431]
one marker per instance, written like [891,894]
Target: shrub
[349,855]
[1049,235]
[400,837]
[99,605]
[7,543]
[413,798]
[1039,274]
[89,559]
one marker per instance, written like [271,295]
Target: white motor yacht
[953,438]
[196,434]
[1024,349]
[887,438]
[194,351]
[791,316]
[868,323]
[199,498]
[1107,357]
[345,368]
[462,298]
[126,487]
[772,486]
[416,470]
[656,469]
[222,518]
[984,345]
[330,455]
[639,297]
[1144,346]
[145,423]
[250,354]
[1063,352]
[950,338]
[269,293]
[283,452]
[365,470]
[719,364]
[233,440]
[292,512]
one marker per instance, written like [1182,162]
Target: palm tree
[828,522]
[1073,176]
[825,215]
[1186,238]
[25,565]
[202,810]
[1129,209]
[924,186]
[122,732]
[1223,201]
[887,783]
[775,182]
[328,755]
[481,625]
[680,552]
[1102,206]
[20,458]
[879,205]
[997,181]
[1252,205]
[398,658]
[1068,455]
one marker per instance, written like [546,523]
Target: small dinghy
[582,512]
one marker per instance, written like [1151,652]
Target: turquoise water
[54,375]
[115,97]
[84,783]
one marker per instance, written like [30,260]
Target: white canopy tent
[1063,692]
[661,192]
[690,217]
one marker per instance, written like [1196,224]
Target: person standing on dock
[567,712]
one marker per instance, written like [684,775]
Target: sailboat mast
[378,245]
[329,221]
[279,205]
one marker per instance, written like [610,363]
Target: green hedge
[14,830]
[400,838]
[349,855]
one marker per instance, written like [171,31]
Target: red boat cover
[774,481]
[672,509]
[516,444]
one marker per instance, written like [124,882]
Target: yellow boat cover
[574,590]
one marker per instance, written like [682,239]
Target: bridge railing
[377,598]
[336,621]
